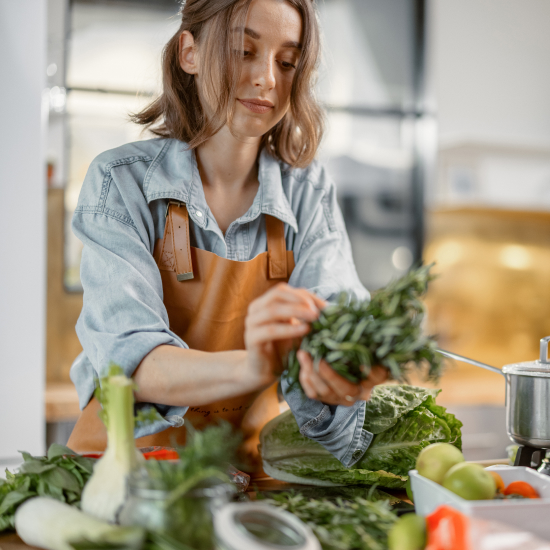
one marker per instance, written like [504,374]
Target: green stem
[188,484]
[120,416]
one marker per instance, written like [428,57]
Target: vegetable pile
[358,523]
[60,475]
[387,331]
[446,466]
[404,420]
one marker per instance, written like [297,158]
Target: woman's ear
[188,53]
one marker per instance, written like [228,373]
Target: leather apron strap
[176,246]
[276,247]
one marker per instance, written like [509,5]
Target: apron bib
[206,298]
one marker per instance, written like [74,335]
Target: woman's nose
[264,75]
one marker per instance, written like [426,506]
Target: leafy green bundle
[384,331]
[403,419]
[359,523]
[61,475]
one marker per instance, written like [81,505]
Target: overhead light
[515,256]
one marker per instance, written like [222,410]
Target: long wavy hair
[178,113]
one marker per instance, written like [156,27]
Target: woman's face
[271,49]
[272,46]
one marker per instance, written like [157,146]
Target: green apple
[471,482]
[408,533]
[437,459]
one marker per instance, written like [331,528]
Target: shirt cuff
[338,429]
[172,417]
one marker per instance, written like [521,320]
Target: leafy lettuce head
[404,419]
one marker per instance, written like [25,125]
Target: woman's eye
[287,65]
[246,53]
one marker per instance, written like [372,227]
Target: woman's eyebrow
[253,34]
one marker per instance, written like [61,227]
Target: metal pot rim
[536,369]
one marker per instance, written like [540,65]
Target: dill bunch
[352,336]
[356,523]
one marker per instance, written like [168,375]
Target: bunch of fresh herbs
[61,475]
[352,336]
[358,523]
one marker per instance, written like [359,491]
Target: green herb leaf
[349,335]
[63,479]
[56,450]
[36,467]
[14,498]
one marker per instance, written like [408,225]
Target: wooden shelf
[61,402]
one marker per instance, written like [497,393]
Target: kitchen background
[438,140]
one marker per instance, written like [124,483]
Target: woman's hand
[328,386]
[276,321]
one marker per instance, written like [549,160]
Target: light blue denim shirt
[120,215]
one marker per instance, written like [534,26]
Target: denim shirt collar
[174,174]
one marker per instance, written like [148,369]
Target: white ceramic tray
[532,515]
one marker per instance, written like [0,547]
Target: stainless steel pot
[527,397]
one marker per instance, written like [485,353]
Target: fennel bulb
[107,490]
[48,523]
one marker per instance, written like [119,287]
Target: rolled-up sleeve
[324,265]
[123,316]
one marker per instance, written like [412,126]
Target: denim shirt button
[198,213]
[356,454]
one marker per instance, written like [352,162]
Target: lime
[471,482]
[408,533]
[435,460]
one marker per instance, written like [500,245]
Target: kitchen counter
[12,542]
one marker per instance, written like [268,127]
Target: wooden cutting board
[12,542]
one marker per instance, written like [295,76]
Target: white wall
[491,67]
[22,228]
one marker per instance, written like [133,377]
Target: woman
[199,246]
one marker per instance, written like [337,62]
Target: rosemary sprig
[387,330]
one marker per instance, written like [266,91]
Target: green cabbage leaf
[404,420]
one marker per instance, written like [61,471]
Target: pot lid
[528,368]
[539,368]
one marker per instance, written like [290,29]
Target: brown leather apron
[206,297]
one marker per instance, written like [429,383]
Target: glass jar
[260,526]
[189,519]
[145,505]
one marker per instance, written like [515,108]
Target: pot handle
[544,350]
[473,361]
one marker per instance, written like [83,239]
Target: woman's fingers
[339,384]
[282,311]
[316,386]
[275,331]
[313,386]
[328,386]
[284,293]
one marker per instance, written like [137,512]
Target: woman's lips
[257,106]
